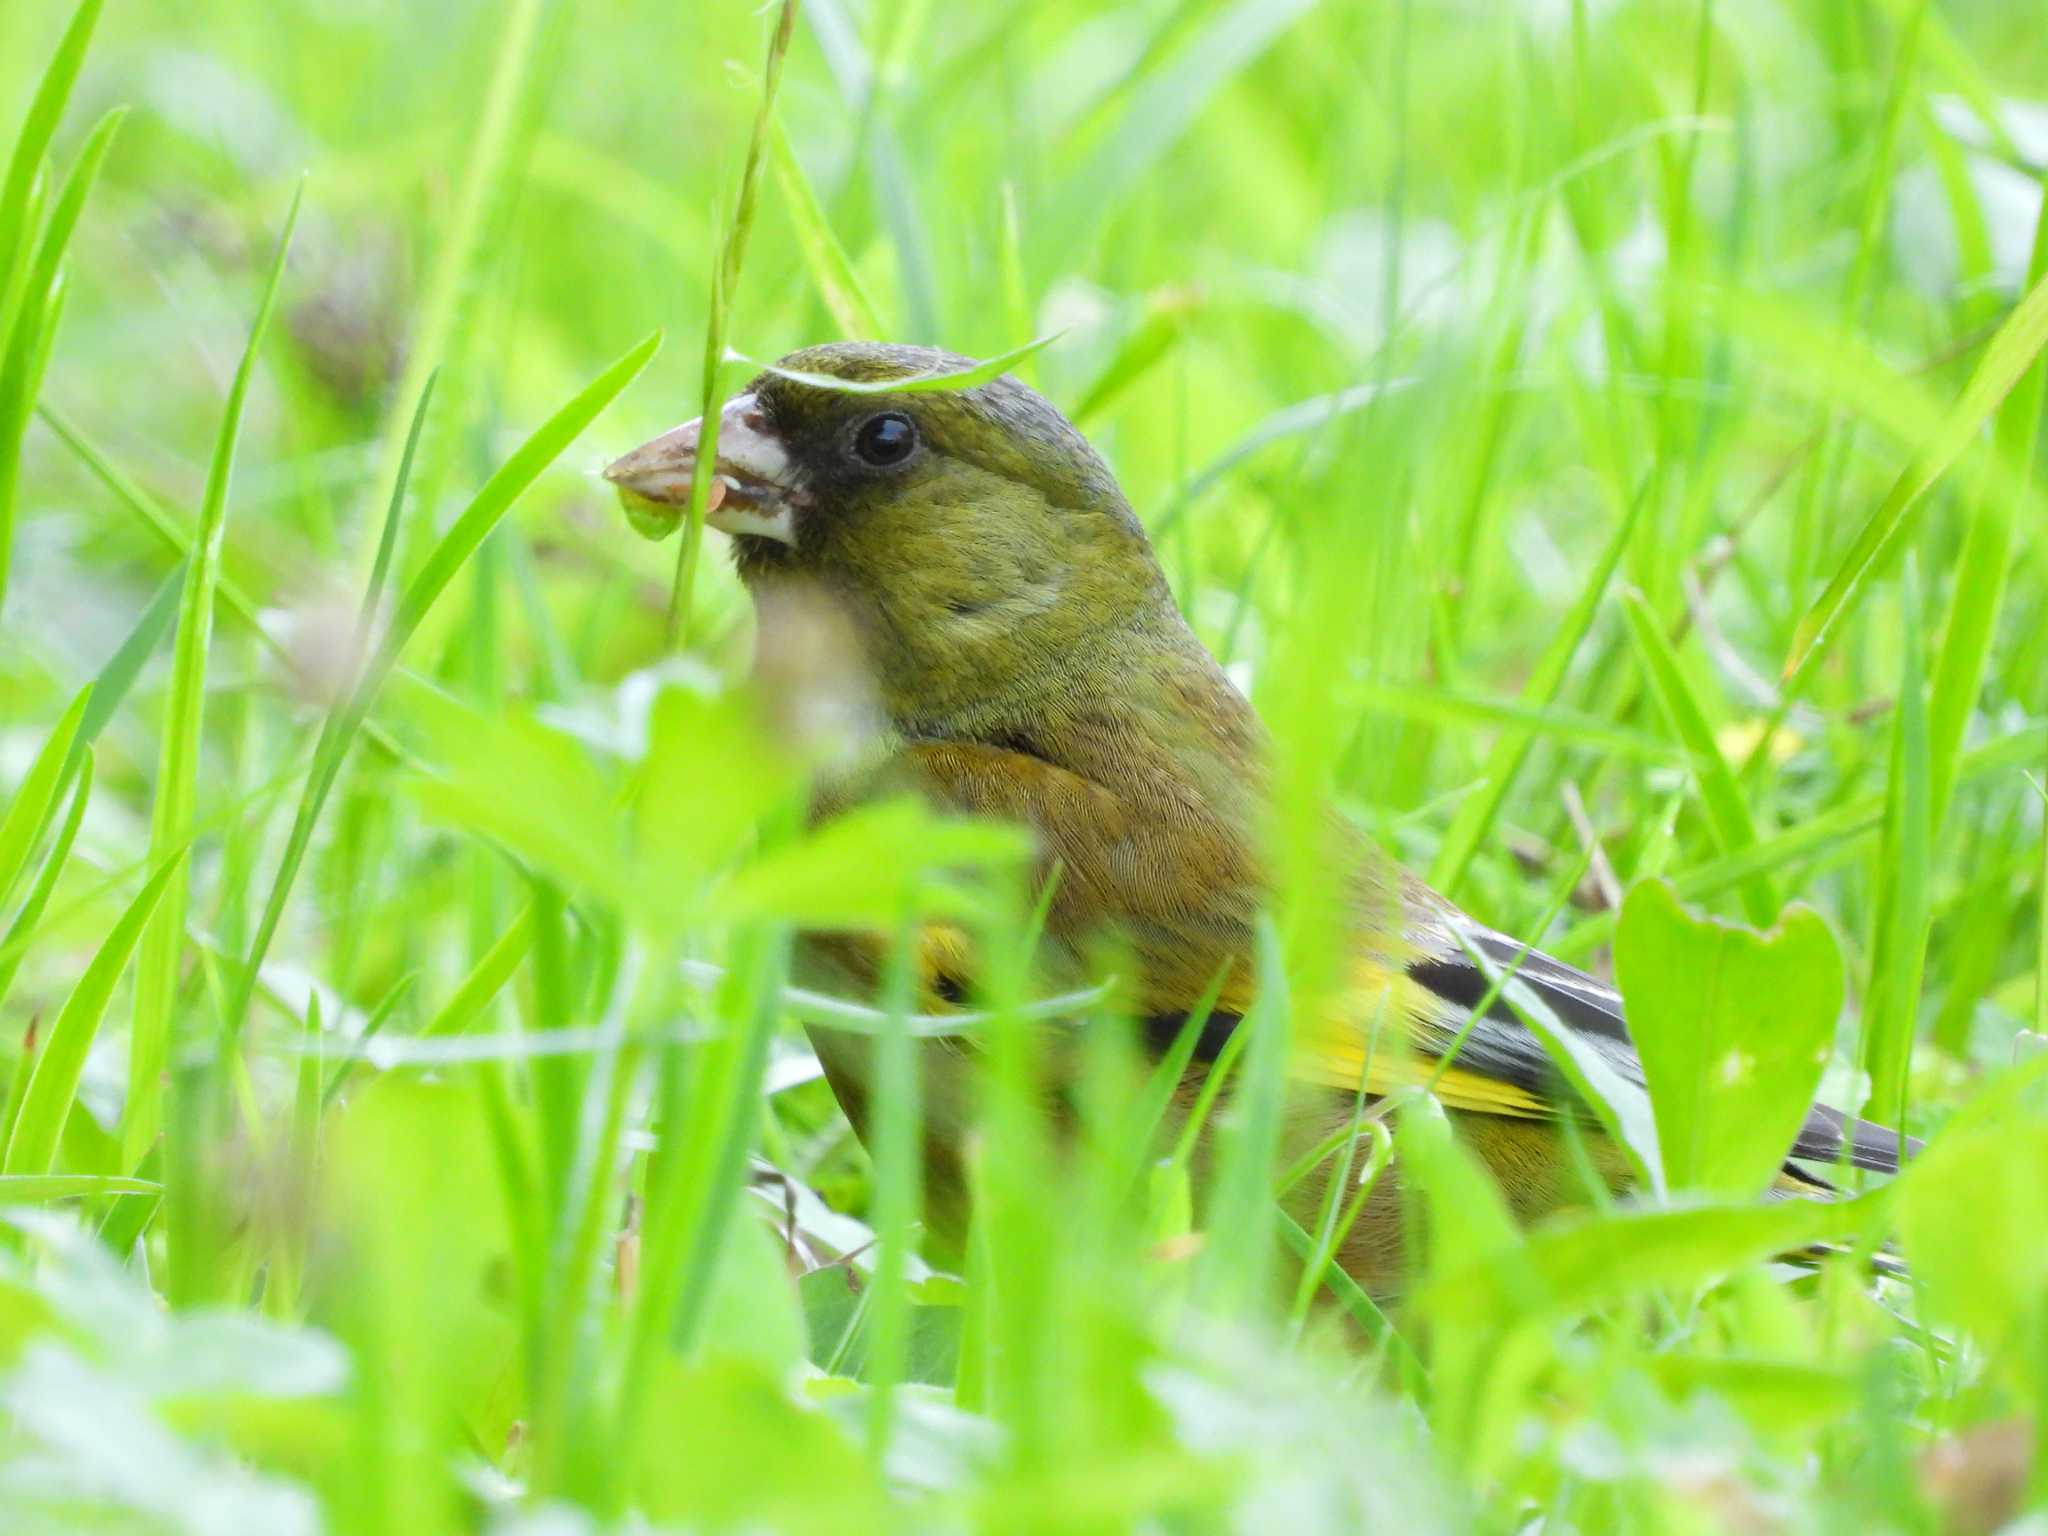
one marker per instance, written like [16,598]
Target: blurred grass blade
[60,1059]
[1829,831]
[177,780]
[314,793]
[2011,353]
[14,943]
[160,521]
[1159,111]
[40,1188]
[838,284]
[1978,593]
[1899,952]
[491,503]
[33,332]
[1727,809]
[725,281]
[897,1138]
[1473,823]
[707,1101]
[126,664]
[17,232]
[919,384]
[102,698]
[1239,1225]
[453,275]
[178,540]
[1164,324]
[486,978]
[454,549]
[28,812]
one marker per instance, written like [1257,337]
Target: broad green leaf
[871,867]
[1973,1219]
[1778,1395]
[531,788]
[711,777]
[1577,1263]
[1733,1028]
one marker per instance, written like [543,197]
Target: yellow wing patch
[1369,1030]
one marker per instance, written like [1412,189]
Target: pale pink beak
[755,488]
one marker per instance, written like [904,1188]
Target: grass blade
[725,278]
[1980,577]
[41,1188]
[14,944]
[920,384]
[1474,821]
[448,556]
[1727,809]
[1164,325]
[2011,353]
[60,1060]
[495,499]
[34,329]
[482,186]
[156,975]
[17,192]
[1899,953]
[313,796]
[28,812]
[838,284]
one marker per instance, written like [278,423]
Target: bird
[1031,664]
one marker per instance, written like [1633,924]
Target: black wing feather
[1590,1007]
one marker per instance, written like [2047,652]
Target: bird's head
[977,541]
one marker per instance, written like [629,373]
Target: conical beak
[755,489]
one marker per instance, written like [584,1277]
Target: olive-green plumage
[1033,666]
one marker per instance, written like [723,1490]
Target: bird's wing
[1452,966]
[1410,1003]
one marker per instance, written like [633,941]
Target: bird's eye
[885,439]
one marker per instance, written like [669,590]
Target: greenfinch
[1033,666]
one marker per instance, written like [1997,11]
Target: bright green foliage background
[1602,435]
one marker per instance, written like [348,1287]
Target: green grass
[1603,437]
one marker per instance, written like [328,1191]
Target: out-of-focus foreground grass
[1600,434]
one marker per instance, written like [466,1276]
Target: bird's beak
[755,489]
